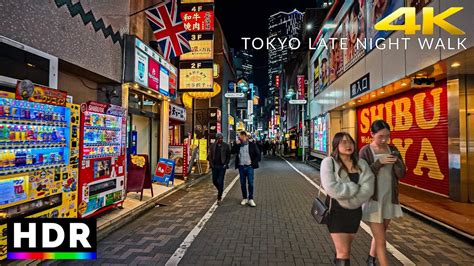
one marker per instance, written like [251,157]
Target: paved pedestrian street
[279,231]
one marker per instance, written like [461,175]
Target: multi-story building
[281,25]
[246,64]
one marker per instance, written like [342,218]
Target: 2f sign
[429,20]
[65,238]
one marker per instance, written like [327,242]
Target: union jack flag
[168,29]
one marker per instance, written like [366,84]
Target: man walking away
[219,157]
[246,160]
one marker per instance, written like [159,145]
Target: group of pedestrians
[247,158]
[362,186]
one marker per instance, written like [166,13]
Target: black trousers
[218,174]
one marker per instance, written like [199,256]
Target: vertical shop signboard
[197,68]
[154,75]
[164,84]
[419,122]
[173,85]
[215,117]
[320,134]
[300,86]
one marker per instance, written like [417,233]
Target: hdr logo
[36,238]
[429,20]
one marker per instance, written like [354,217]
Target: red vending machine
[102,158]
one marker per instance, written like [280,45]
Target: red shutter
[427,155]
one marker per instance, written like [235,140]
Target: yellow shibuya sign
[429,20]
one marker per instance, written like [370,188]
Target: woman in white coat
[348,182]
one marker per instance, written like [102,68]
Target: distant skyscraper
[246,66]
[281,25]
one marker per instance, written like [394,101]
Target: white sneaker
[244,202]
[252,203]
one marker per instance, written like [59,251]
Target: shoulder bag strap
[320,184]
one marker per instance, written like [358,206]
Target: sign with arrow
[298,101]
[234,95]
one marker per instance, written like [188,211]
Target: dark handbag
[320,211]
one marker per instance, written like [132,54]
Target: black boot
[343,262]
[371,261]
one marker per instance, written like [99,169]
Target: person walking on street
[219,157]
[246,160]
[388,166]
[348,182]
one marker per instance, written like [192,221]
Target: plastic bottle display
[15,134]
[29,157]
[30,134]
[101,135]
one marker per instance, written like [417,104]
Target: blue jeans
[218,173]
[246,173]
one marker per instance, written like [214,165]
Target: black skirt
[342,220]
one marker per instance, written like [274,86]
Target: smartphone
[395,153]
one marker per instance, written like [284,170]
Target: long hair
[335,151]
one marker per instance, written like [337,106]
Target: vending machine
[39,159]
[102,158]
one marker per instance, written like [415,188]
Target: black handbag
[320,211]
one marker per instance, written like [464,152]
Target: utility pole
[228,114]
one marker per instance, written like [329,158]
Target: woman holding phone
[388,166]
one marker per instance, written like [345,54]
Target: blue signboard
[164,172]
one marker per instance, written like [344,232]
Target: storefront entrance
[144,127]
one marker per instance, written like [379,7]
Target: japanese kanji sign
[198,18]
[202,47]
[177,113]
[196,76]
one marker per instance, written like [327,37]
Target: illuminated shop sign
[419,123]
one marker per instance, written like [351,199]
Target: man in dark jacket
[246,160]
[219,157]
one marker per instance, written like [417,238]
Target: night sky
[249,18]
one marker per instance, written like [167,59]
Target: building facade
[423,94]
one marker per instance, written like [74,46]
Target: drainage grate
[169,200]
